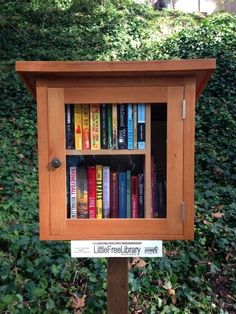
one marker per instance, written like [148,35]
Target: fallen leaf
[78,304]
[218,215]
[141,263]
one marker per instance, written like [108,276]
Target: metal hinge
[183,211]
[184,109]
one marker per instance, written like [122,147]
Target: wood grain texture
[43,157]
[175,158]
[189,136]
[115,95]
[74,152]
[117,286]
[56,122]
[56,70]
[114,66]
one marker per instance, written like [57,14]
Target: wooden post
[117,286]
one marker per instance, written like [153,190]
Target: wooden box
[169,90]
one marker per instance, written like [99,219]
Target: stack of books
[99,192]
[105,126]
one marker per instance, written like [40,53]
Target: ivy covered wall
[192,277]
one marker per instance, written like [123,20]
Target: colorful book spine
[114,126]
[141,126]
[85,124]
[135,124]
[70,131]
[104,126]
[128,206]
[141,195]
[73,194]
[130,125]
[109,126]
[99,191]
[122,126]
[82,193]
[95,126]
[92,191]
[134,196]
[106,191]
[122,194]
[78,126]
[114,194]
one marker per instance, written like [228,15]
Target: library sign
[115,248]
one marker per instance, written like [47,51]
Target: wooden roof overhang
[31,71]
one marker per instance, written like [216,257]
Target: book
[128,206]
[73,194]
[85,126]
[114,194]
[122,211]
[130,126]
[104,125]
[92,191]
[141,195]
[135,124]
[114,126]
[70,132]
[82,193]
[106,191]
[122,126]
[141,126]
[99,191]
[95,126]
[134,196]
[78,126]
[109,126]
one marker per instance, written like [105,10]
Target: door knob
[56,163]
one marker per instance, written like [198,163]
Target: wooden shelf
[74,152]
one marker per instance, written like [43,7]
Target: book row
[105,126]
[98,192]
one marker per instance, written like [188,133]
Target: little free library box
[116,147]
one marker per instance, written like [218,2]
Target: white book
[73,193]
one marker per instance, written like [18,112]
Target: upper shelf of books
[31,71]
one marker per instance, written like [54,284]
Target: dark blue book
[69,125]
[122,126]
[104,126]
[122,185]
[130,126]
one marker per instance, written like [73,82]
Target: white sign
[116,248]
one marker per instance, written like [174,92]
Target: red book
[114,194]
[92,191]
[134,196]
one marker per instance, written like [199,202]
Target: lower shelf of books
[102,187]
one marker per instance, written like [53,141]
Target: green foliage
[192,277]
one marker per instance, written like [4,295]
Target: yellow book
[95,126]
[98,191]
[78,126]
[85,132]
